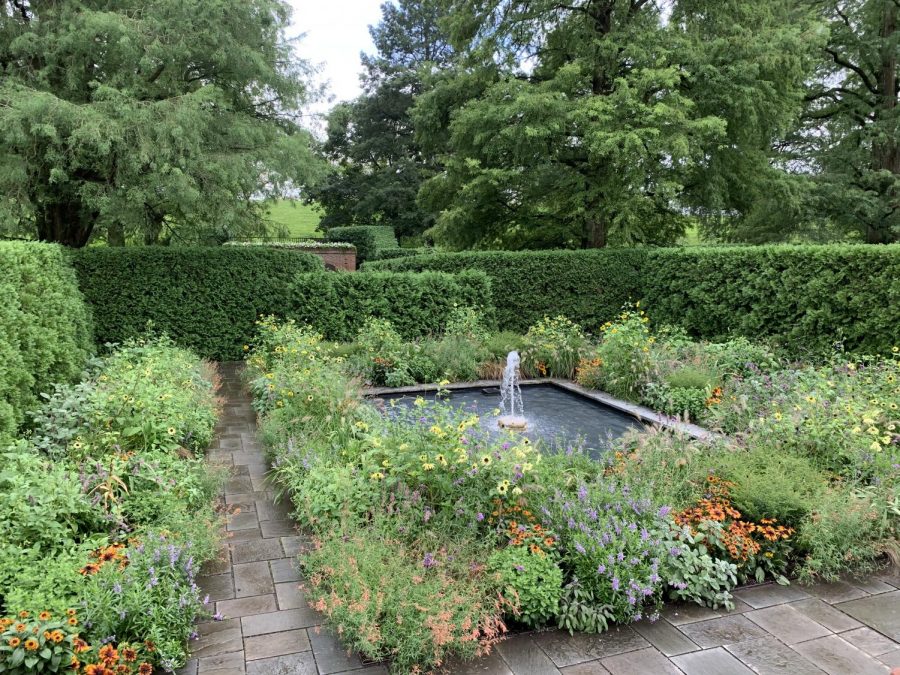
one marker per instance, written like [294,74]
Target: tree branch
[841,61]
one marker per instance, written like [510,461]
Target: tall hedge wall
[206,298]
[368,239]
[338,304]
[45,327]
[589,286]
[804,297]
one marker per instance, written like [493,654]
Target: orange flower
[74,664]
[14,642]
[109,653]
[129,654]
[79,646]
[72,621]
[23,614]
[71,612]
[145,669]
[44,616]
[548,541]
[57,636]
[31,644]
[20,627]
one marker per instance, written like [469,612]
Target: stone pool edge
[644,414]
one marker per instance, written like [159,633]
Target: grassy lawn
[298,218]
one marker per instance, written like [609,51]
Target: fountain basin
[512,423]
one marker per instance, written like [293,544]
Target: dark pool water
[555,416]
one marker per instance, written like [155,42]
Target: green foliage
[624,356]
[45,328]
[849,128]
[363,238]
[531,582]
[688,403]
[37,644]
[378,163]
[693,574]
[207,299]
[337,305]
[368,239]
[42,504]
[153,597]
[585,124]
[164,131]
[553,347]
[391,253]
[804,297]
[588,287]
[391,601]
[118,469]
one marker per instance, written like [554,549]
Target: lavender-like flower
[428,561]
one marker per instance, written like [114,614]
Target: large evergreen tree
[135,116]
[378,167]
[591,122]
[851,137]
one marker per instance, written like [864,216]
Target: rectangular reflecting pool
[555,416]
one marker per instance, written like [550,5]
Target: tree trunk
[115,235]
[886,153]
[64,223]
[595,234]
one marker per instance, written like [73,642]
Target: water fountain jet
[512,412]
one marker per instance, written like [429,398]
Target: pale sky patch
[336,31]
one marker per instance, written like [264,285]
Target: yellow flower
[885,440]
[441,460]
[875,446]
[811,399]
[777,415]
[872,430]
[856,430]
[246,348]
[172,431]
[895,349]
[501,488]
[427,466]
[868,421]
[486,460]
[377,475]
[309,398]
[517,490]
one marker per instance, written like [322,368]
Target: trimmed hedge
[45,327]
[390,253]
[368,239]
[338,304]
[206,298]
[587,286]
[804,297]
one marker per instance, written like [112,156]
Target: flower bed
[107,514]
[418,504]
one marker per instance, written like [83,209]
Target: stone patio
[846,628]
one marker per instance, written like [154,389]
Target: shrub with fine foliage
[207,299]
[337,305]
[45,327]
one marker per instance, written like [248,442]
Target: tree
[606,121]
[378,165]
[852,119]
[136,117]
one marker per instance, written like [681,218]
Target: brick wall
[336,258]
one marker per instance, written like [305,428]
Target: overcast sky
[336,32]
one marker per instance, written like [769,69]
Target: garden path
[845,628]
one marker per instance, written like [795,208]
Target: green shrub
[553,347]
[392,600]
[337,305]
[368,239]
[207,299]
[625,362]
[391,253]
[693,575]
[805,298]
[532,583]
[588,287]
[45,327]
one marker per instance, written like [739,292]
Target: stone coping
[642,413]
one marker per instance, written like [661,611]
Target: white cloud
[336,31]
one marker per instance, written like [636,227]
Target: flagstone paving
[851,627]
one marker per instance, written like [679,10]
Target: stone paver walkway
[846,628]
